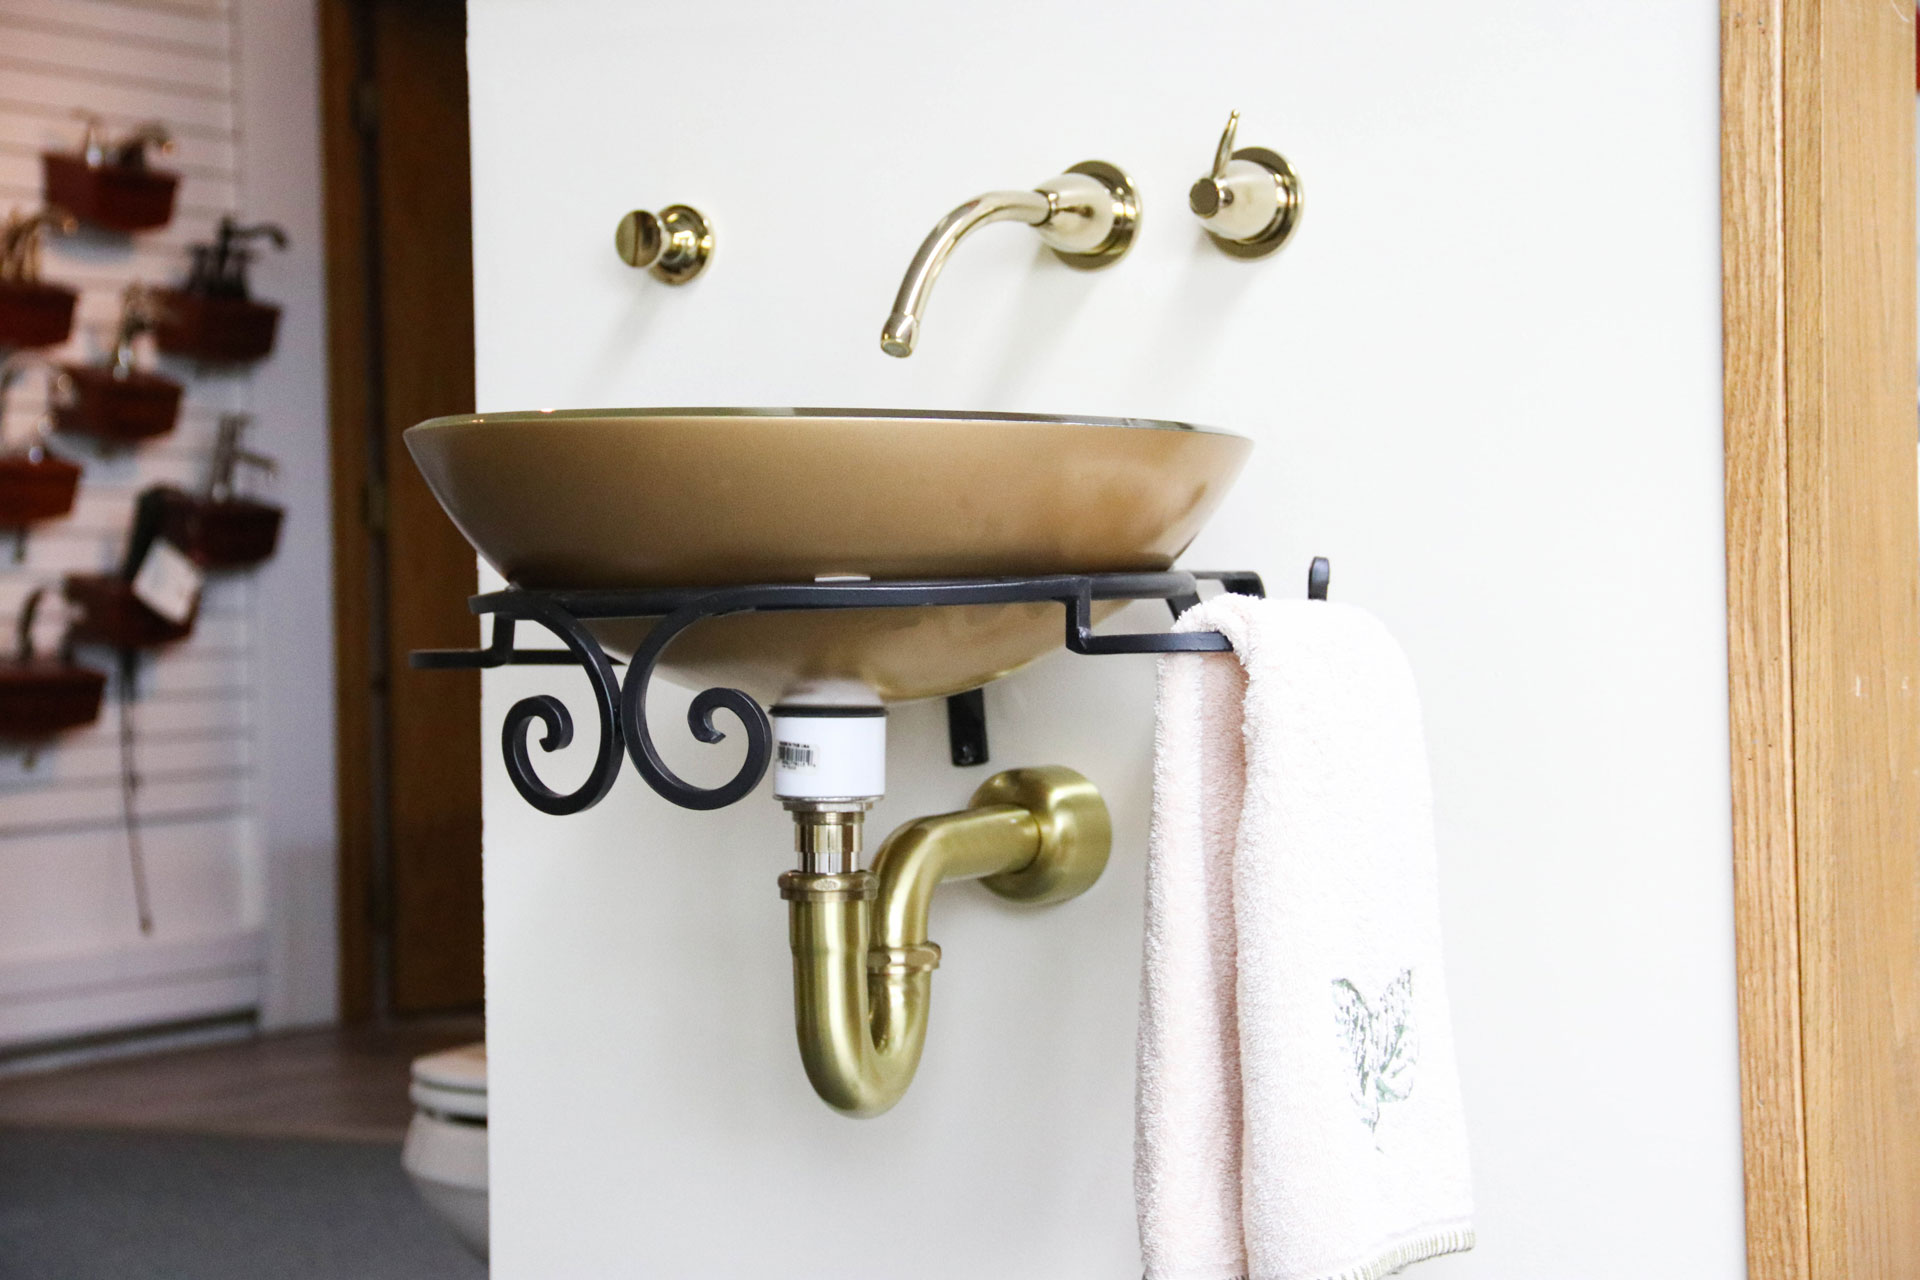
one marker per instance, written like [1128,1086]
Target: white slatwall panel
[66,906]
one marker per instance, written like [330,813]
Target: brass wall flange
[862,962]
[1075,832]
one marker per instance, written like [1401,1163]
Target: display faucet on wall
[118,403]
[36,485]
[33,313]
[221,527]
[40,697]
[108,183]
[214,316]
[1088,216]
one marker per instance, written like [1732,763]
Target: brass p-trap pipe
[862,962]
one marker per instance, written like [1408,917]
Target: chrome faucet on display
[1087,215]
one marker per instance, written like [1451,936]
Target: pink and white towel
[1298,1104]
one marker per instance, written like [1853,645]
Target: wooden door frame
[400,318]
[1823,595]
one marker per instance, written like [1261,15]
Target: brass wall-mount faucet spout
[862,963]
[1087,216]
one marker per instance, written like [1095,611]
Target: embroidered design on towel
[1381,1041]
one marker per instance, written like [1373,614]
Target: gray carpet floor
[87,1205]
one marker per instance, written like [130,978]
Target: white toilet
[446,1149]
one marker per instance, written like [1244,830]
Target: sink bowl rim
[955,416]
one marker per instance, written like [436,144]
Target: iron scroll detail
[621,700]
[552,713]
[640,748]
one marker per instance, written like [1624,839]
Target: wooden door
[401,296]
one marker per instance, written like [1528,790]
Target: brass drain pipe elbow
[862,962]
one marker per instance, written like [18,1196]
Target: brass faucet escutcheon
[862,962]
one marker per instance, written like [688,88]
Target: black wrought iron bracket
[622,699]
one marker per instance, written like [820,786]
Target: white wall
[234,726]
[1484,380]
[278,95]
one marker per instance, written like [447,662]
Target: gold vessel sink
[630,498]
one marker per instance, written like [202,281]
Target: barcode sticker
[796,755]
[168,583]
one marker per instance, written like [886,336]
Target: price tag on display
[168,583]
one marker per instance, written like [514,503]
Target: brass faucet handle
[675,244]
[1223,154]
[1250,200]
